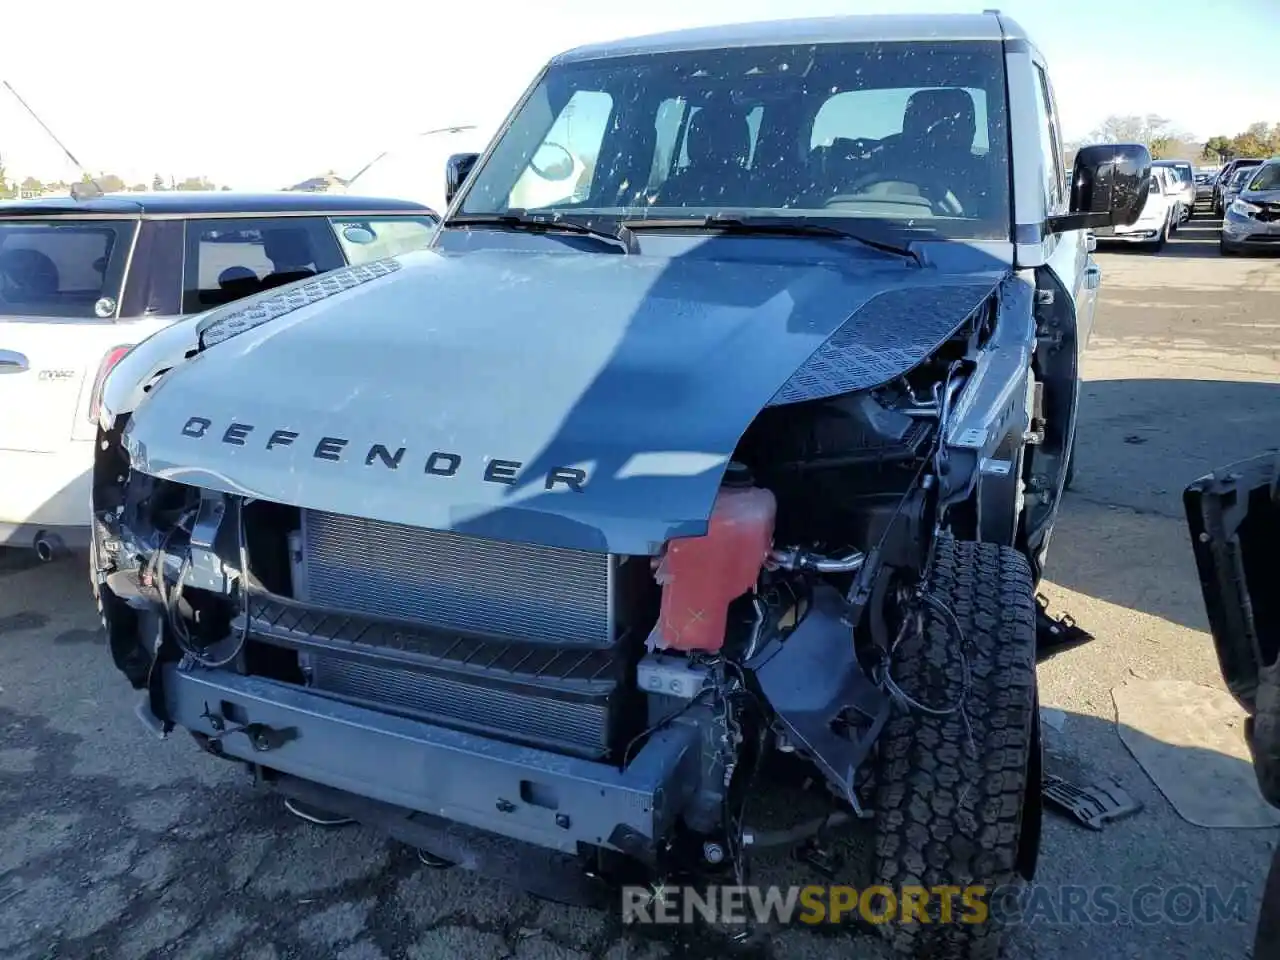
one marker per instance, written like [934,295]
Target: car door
[1071,257]
[60,286]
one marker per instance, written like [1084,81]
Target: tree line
[1169,142]
[107,183]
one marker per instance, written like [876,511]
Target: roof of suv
[845,29]
[196,203]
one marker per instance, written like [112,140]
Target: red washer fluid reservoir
[700,576]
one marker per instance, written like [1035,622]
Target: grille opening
[497,638]
[266,533]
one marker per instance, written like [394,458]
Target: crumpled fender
[127,383]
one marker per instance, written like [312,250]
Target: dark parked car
[1224,179]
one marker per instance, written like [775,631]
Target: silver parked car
[1205,177]
[1225,176]
[1252,219]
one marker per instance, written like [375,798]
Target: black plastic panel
[886,338]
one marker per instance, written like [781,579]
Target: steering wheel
[877,177]
[552,161]
[946,203]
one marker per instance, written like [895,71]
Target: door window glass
[62,268]
[232,258]
[372,238]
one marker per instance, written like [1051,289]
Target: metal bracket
[1056,634]
[207,570]
[261,736]
[1094,805]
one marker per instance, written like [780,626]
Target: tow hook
[262,737]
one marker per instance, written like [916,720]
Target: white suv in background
[1159,217]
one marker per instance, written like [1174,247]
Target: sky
[262,94]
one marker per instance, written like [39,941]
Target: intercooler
[506,639]
[455,582]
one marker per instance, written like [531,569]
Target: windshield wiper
[519,220]
[768,226]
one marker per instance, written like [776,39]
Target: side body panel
[48,369]
[1066,280]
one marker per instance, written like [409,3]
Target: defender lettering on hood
[438,463]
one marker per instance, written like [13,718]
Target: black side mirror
[456,171]
[1109,187]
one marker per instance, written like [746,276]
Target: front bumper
[1242,231]
[1135,233]
[543,799]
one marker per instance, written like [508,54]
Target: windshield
[1266,177]
[62,268]
[911,134]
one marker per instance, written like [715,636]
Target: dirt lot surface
[113,844]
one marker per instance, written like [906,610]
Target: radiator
[534,658]
[578,727]
[454,582]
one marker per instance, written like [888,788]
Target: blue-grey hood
[585,401]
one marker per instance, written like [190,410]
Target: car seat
[28,275]
[237,282]
[936,147]
[718,145]
[291,256]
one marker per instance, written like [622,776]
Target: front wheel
[951,788]
[1156,245]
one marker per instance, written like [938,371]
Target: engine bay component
[794,558]
[827,706]
[670,676]
[700,576]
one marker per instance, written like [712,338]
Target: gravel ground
[113,844]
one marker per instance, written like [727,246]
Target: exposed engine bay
[772,635]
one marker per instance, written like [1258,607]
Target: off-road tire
[949,811]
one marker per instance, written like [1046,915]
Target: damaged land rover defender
[720,431]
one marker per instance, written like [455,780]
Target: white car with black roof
[84,280]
